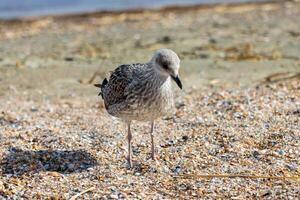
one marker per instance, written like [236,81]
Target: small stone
[266,126]
[266,193]
[292,167]
[165,169]
[166,39]
[280,152]
[185,138]
[212,40]
[33,109]
[256,154]
[69,59]
[137,173]
[212,152]
[122,195]
[203,55]
[199,120]
[136,150]
[177,169]
[113,196]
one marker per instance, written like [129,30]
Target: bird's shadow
[19,162]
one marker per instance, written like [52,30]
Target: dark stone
[166,39]
[69,59]
[185,138]
[256,154]
[212,41]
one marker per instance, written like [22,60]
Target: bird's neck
[154,80]
[157,74]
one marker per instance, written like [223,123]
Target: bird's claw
[129,163]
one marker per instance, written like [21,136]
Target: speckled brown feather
[119,80]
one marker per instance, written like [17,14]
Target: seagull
[142,92]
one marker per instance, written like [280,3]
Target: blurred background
[19,8]
[58,48]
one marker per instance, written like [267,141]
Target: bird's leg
[152,141]
[129,137]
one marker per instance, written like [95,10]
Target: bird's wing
[119,80]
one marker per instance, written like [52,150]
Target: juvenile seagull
[142,91]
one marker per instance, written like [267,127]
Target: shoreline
[162,9]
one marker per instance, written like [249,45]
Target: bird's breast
[157,101]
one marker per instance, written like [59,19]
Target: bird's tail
[102,86]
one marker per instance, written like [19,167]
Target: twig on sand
[189,176]
[81,193]
[272,78]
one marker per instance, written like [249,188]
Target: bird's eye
[165,66]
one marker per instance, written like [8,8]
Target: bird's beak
[177,80]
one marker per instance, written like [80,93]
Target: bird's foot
[129,163]
[152,157]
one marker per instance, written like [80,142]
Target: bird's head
[167,63]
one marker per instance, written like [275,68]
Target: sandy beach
[235,132]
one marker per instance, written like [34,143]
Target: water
[20,8]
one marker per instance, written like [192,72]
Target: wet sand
[238,114]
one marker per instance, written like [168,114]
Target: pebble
[33,109]
[292,167]
[185,138]
[256,154]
